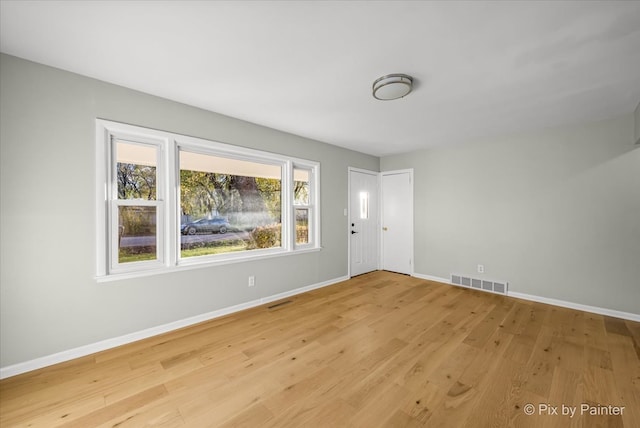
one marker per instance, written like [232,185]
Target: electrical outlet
[252,281]
[480,268]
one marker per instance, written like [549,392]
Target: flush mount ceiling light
[392,87]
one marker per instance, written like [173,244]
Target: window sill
[191,265]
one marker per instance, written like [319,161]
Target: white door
[397,221]
[363,221]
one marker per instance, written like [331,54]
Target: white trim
[549,301]
[432,278]
[103,345]
[563,303]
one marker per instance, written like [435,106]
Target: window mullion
[288,238]
[171,227]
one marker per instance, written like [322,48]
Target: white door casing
[363,221]
[397,221]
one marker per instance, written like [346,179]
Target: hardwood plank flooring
[381,349]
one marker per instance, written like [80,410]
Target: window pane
[136,234]
[136,171]
[302,225]
[228,204]
[364,205]
[301,186]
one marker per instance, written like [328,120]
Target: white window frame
[167,203]
[313,192]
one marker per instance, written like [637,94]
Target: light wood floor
[378,350]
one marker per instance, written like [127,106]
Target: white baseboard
[594,309]
[432,278]
[103,345]
[550,301]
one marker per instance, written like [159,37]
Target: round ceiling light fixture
[392,87]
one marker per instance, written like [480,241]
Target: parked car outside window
[205,225]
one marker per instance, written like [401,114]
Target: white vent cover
[491,286]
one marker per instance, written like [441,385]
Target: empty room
[319,213]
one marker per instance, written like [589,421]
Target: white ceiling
[482,69]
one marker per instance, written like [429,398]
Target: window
[228,204]
[135,205]
[303,209]
[364,205]
[167,201]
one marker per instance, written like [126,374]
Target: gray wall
[637,120]
[556,213]
[49,299]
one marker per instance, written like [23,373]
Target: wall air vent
[492,286]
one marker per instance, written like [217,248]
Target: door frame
[411,213]
[348,213]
